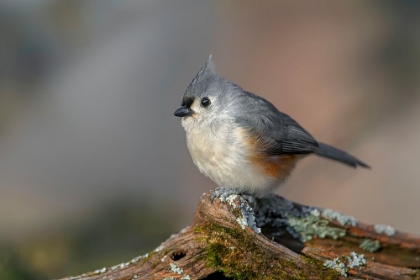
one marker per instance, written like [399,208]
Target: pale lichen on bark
[273,238]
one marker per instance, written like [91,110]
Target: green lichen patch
[314,226]
[236,263]
[176,269]
[245,216]
[336,265]
[370,245]
[236,255]
[304,223]
[343,264]
[355,260]
[384,229]
[341,218]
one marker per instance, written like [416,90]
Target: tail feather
[330,152]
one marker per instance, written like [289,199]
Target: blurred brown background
[94,168]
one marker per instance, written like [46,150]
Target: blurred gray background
[94,168]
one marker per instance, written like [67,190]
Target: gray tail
[330,152]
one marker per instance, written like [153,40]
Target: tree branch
[273,238]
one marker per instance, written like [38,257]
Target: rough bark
[273,238]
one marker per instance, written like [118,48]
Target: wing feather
[277,132]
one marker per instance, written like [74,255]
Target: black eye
[205,102]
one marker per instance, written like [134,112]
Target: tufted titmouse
[240,140]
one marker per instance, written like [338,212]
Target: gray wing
[278,132]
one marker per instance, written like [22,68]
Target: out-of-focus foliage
[13,267]
[120,230]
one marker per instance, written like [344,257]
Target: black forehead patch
[187,101]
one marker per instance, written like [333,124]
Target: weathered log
[239,237]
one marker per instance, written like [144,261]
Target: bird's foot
[223,193]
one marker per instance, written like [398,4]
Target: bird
[242,141]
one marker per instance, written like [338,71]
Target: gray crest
[205,79]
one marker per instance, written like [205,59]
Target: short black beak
[183,112]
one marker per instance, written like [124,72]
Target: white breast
[219,152]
